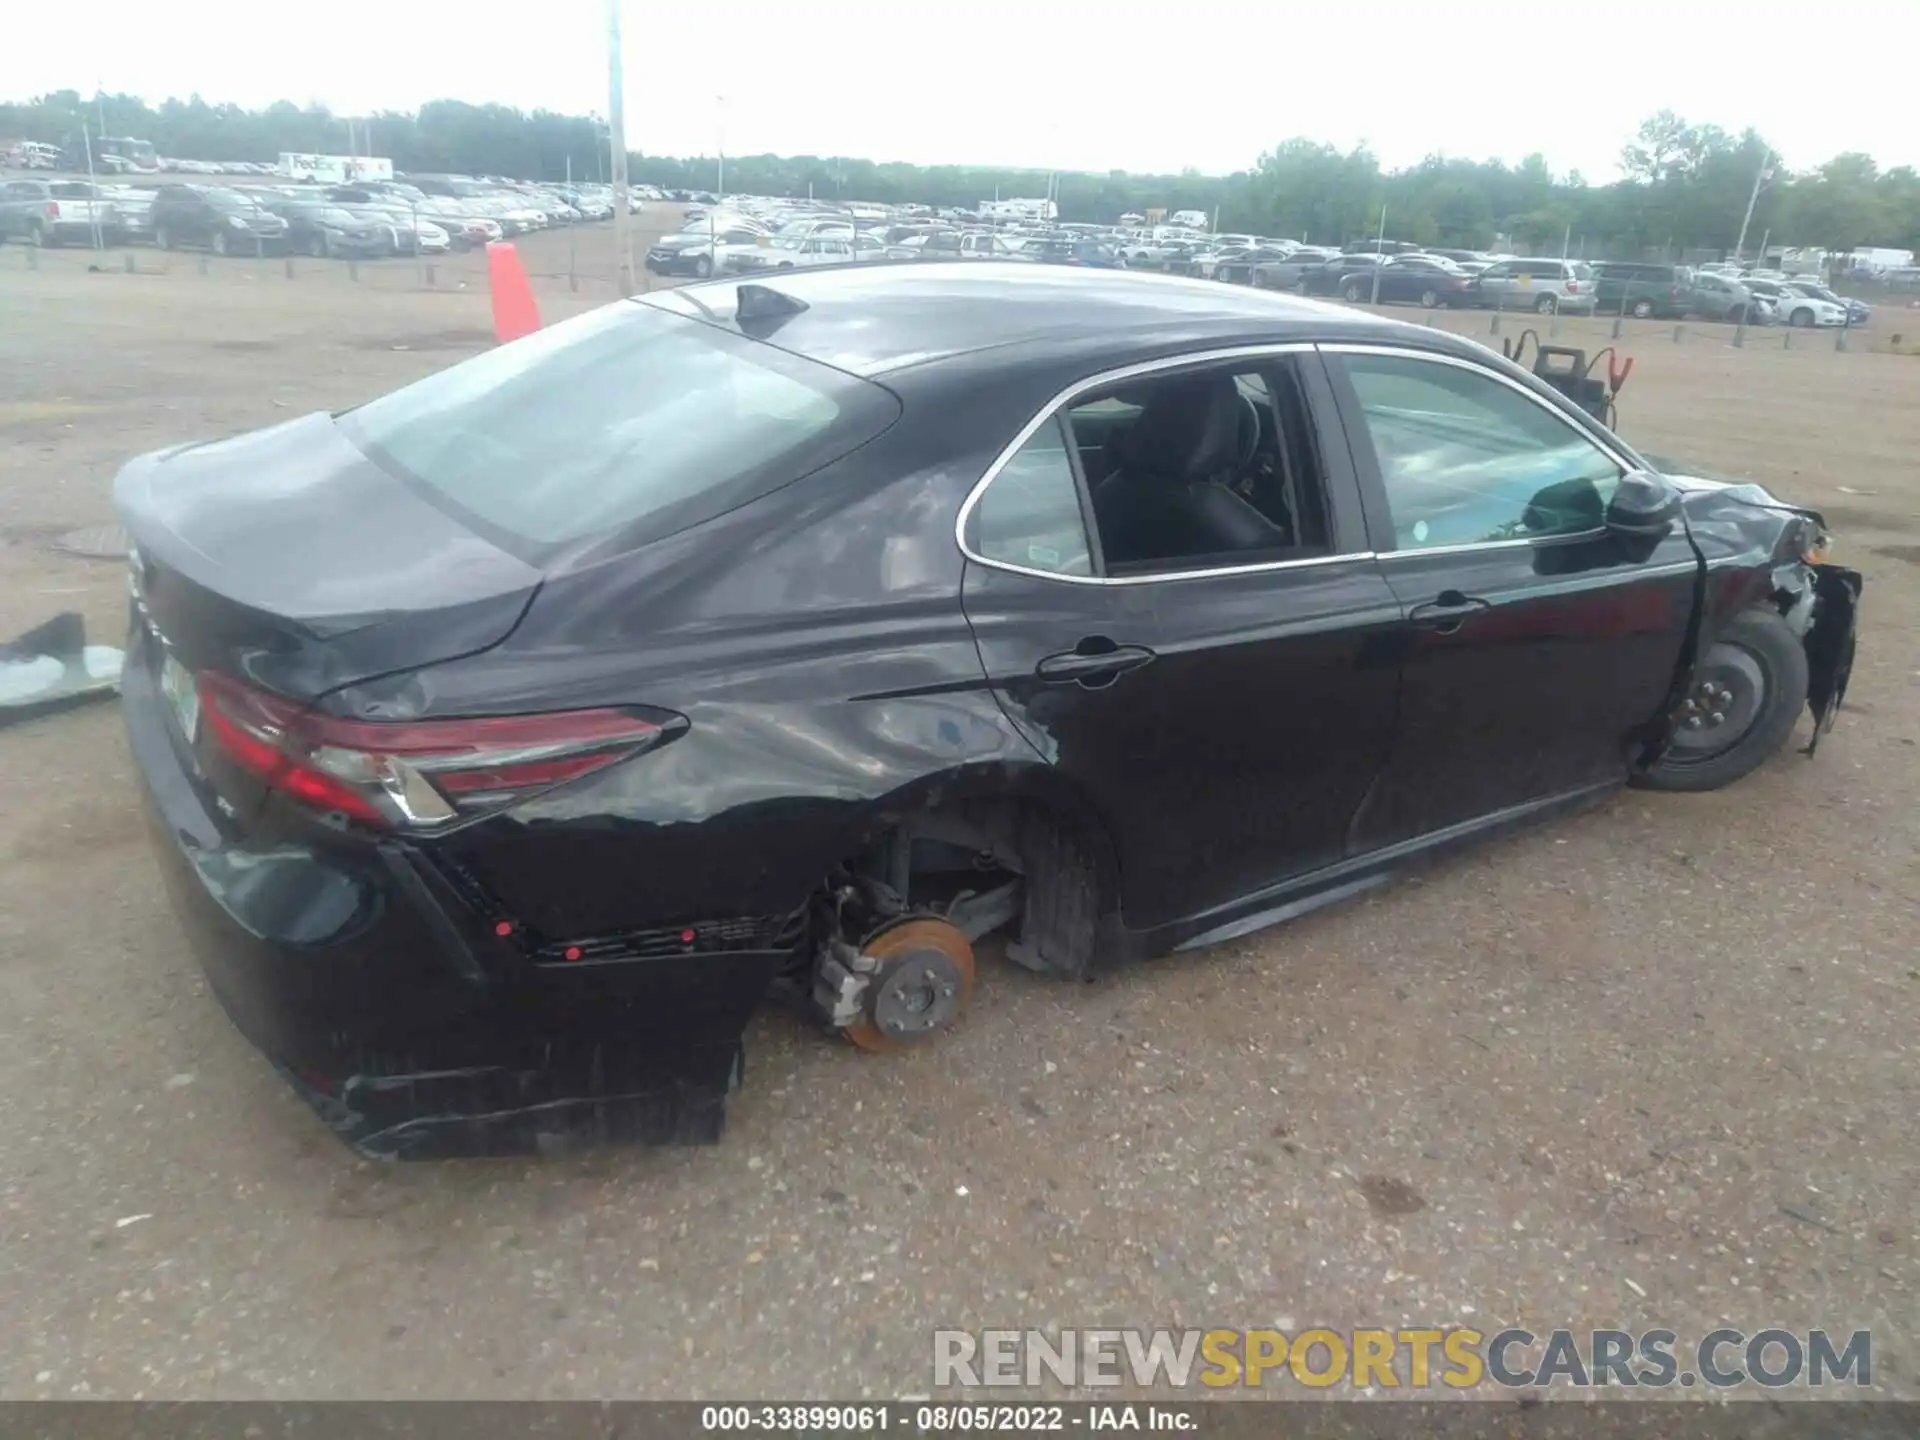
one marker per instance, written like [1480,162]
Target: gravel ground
[1652,1065]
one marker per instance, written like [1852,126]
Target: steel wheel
[1747,692]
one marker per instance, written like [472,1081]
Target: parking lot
[1652,1065]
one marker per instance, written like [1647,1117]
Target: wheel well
[1041,875]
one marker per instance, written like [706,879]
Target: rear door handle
[1093,663]
[1447,612]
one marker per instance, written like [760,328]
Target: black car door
[1224,712]
[1541,642]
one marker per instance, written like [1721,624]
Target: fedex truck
[335,169]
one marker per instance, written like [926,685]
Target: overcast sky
[1067,84]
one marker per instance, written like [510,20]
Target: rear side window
[627,420]
[1030,515]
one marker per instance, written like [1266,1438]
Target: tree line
[1684,186]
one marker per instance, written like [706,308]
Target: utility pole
[1760,179]
[617,144]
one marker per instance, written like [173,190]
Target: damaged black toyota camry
[512,737]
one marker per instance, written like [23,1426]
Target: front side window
[1030,515]
[1467,459]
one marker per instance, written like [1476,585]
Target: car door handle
[1447,612]
[1093,663]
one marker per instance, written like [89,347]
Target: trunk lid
[288,558]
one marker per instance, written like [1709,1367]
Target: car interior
[1201,467]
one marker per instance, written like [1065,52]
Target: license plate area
[183,699]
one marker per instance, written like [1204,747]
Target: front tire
[1429,299]
[703,267]
[1801,319]
[1355,294]
[220,246]
[1643,309]
[1747,693]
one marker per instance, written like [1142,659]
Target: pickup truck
[52,212]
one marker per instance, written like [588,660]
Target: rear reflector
[419,774]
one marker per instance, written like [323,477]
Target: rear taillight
[419,774]
[1573,287]
[53,209]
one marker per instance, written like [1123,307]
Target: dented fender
[1757,549]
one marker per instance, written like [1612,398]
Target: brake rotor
[921,986]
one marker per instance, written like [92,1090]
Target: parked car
[1331,277]
[952,245]
[1643,291]
[698,252]
[1719,297]
[1798,306]
[132,212]
[1290,273]
[57,212]
[635,738]
[321,229]
[1858,311]
[805,251]
[1095,254]
[226,221]
[1424,280]
[1531,283]
[1480,259]
[1238,269]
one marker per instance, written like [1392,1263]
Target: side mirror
[1644,504]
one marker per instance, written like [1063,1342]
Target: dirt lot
[1655,1065]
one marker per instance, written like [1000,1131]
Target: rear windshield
[626,421]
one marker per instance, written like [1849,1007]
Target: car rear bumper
[346,969]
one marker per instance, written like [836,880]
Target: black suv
[1644,291]
[228,222]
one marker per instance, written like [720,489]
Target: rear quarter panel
[814,641]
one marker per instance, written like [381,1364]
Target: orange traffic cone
[514,312]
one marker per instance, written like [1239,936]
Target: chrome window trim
[1348,347]
[1100,382]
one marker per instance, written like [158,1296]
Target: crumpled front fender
[1830,643]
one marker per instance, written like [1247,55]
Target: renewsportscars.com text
[1455,1358]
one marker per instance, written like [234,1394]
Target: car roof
[870,319]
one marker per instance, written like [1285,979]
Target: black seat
[1160,501]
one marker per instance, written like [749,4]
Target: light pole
[617,145]
[1759,181]
[720,144]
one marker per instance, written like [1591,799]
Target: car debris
[51,667]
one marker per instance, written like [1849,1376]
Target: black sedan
[1331,276]
[511,737]
[323,230]
[1422,280]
